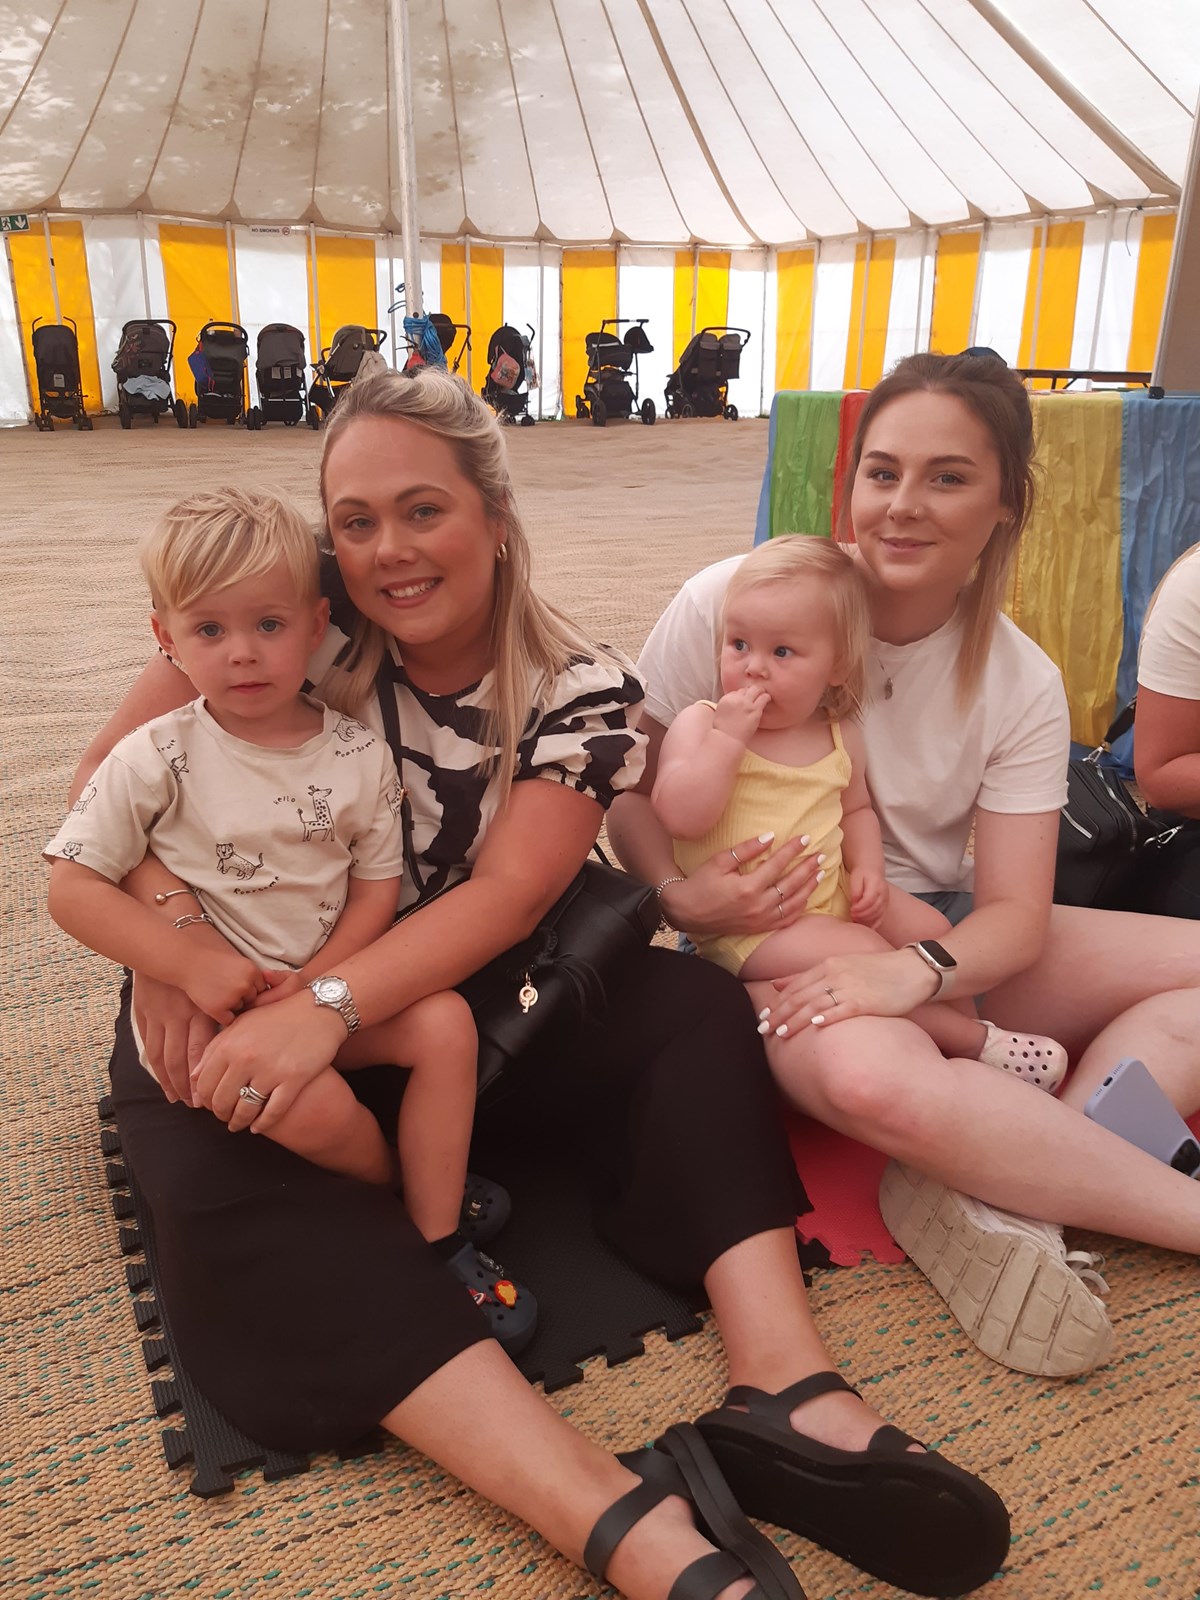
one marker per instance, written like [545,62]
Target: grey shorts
[954,904]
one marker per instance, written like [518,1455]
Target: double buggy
[611,386]
[60,388]
[699,386]
[143,368]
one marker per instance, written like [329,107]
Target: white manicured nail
[818,1021]
[765,838]
[820,875]
[820,860]
[781,1031]
[804,839]
[764,1027]
[764,1013]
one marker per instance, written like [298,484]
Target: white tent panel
[1087,53]
[1087,298]
[1120,283]
[708,212]
[442,205]
[832,306]
[14,394]
[274,179]
[549,334]
[24,29]
[646,288]
[1163,36]
[114,265]
[1005,268]
[389,271]
[522,305]
[272,285]
[354,155]
[747,296]
[913,262]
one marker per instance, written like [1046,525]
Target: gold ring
[832,996]
[735,855]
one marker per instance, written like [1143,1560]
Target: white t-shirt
[929,764]
[1169,660]
[269,838]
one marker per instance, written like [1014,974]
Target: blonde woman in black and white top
[432,606]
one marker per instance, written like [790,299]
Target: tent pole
[920,292]
[540,336]
[391,298]
[145,274]
[316,290]
[695,286]
[50,264]
[1096,320]
[1177,358]
[234,310]
[977,295]
[406,150]
[467,300]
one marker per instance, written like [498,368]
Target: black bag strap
[1121,723]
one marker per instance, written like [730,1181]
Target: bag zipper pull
[528,995]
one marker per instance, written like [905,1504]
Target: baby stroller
[420,351]
[611,386]
[60,388]
[279,372]
[506,387]
[143,368]
[219,365]
[338,367]
[699,386]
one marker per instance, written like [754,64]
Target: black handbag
[1102,833]
[560,974]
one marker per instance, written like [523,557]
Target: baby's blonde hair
[222,536]
[797,557]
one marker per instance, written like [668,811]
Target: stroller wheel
[85,422]
[731,413]
[581,410]
[192,415]
[527,421]
[124,416]
[599,413]
[156,415]
[648,413]
[181,413]
[314,418]
[687,409]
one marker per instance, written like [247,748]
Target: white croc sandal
[1030,1057]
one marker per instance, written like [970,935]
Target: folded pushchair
[506,387]
[338,368]
[143,368]
[279,369]
[218,364]
[611,386]
[60,388]
[699,386]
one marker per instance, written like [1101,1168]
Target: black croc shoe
[911,1518]
[486,1208]
[510,1309]
[681,1464]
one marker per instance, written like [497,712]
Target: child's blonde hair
[795,557]
[222,536]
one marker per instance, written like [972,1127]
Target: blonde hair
[222,536]
[805,558]
[531,642]
[995,395]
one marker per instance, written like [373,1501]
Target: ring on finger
[248,1092]
[735,855]
[832,996]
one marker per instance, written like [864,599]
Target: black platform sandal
[913,1519]
[681,1464]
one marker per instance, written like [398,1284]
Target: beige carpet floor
[1100,1475]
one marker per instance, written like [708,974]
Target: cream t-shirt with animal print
[269,838]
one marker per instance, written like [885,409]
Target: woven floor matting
[1100,1475]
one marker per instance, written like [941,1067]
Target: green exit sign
[14,222]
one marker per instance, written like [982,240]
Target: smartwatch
[938,958]
[335,993]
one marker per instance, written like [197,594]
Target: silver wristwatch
[938,959]
[335,992]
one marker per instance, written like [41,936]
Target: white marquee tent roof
[651,121]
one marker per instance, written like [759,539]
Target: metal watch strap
[345,1007]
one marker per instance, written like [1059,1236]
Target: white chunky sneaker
[1020,1295]
[1028,1057]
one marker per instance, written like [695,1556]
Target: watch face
[939,953]
[331,991]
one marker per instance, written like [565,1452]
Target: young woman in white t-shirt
[967,724]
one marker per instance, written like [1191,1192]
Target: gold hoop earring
[501,554]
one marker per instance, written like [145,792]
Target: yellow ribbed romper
[788,801]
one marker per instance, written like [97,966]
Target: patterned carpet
[1100,1475]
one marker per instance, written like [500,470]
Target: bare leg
[328,1126]
[880,1080]
[809,940]
[436,1039]
[1111,984]
[480,1419]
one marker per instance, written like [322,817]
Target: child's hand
[221,982]
[280,986]
[740,711]
[868,896]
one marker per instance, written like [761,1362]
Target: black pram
[611,386]
[60,388]
[338,368]
[699,386]
[218,364]
[506,387]
[143,368]
[279,370]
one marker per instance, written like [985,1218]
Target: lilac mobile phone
[1130,1103]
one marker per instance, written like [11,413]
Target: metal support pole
[391,297]
[406,163]
[540,335]
[973,330]
[234,312]
[50,264]
[316,290]
[695,286]
[1096,320]
[1177,357]
[145,274]
[467,303]
[920,293]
